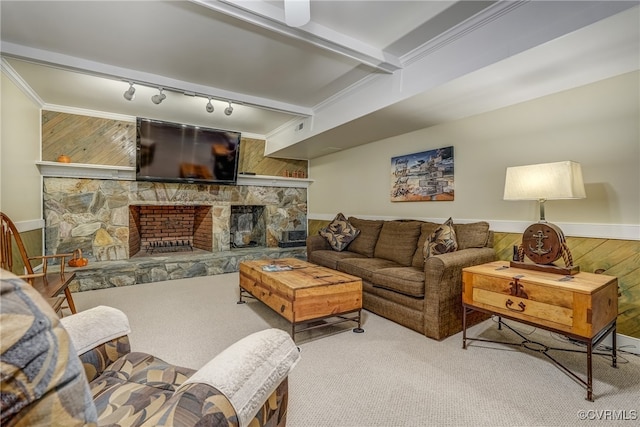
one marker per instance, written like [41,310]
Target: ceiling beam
[271,17]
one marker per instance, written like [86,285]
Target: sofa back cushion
[397,241]
[365,243]
[427,228]
[473,235]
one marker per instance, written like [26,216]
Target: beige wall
[596,125]
[20,181]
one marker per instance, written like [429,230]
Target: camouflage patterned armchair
[44,383]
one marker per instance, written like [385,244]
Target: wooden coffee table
[307,295]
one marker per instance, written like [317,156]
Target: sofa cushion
[474,235]
[442,240]
[427,229]
[339,233]
[141,383]
[406,280]
[365,243]
[364,267]
[397,241]
[329,258]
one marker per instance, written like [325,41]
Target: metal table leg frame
[543,349]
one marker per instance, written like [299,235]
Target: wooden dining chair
[54,286]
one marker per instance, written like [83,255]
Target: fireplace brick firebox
[169,228]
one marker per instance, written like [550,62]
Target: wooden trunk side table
[303,294]
[584,306]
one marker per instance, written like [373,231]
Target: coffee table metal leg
[241,301]
[359,329]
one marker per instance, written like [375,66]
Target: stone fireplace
[113,220]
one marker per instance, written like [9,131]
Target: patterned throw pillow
[339,233]
[441,241]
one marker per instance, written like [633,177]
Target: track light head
[209,106]
[158,98]
[228,110]
[130,93]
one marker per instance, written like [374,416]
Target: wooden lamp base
[543,243]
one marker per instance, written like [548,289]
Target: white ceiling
[358,72]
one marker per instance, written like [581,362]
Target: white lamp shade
[545,181]
[297,12]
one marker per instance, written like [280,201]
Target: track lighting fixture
[157,99]
[130,93]
[228,110]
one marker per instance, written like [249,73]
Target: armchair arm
[248,372]
[45,261]
[93,327]
[99,336]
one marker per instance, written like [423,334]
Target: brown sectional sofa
[397,281]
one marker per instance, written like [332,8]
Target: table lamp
[543,242]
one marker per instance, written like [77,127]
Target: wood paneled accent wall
[619,258]
[252,160]
[98,141]
[86,139]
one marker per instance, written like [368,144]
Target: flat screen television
[174,152]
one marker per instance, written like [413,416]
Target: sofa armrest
[443,288]
[317,243]
[248,372]
[99,336]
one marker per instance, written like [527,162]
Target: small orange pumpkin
[64,159]
[77,260]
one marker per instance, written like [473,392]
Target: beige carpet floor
[389,375]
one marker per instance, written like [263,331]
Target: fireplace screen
[247,227]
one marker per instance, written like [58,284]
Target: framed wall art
[424,176]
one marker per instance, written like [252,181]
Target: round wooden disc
[542,243]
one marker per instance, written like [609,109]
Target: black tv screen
[173,152]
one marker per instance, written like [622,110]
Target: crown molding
[12,75]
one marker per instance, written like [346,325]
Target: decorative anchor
[517,289]
[539,250]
